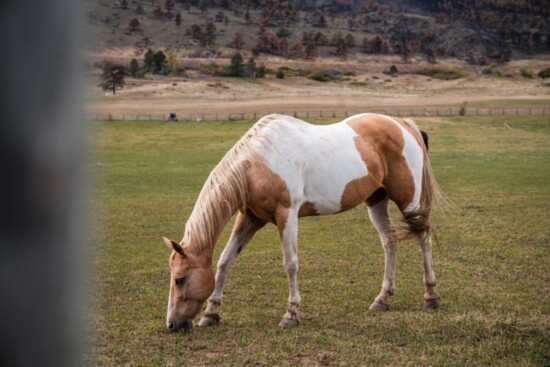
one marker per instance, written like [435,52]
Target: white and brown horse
[283,169]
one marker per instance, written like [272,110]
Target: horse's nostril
[170,326]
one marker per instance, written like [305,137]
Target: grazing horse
[283,169]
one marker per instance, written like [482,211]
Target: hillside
[484,32]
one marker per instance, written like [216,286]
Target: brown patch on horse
[384,142]
[267,194]
[307,210]
[358,190]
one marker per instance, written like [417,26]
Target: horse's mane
[223,193]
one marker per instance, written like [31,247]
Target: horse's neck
[219,199]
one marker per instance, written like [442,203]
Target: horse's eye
[180,281]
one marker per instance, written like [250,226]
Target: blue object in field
[173,116]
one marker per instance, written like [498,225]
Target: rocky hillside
[480,32]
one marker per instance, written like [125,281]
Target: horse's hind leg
[431,298]
[379,216]
[246,225]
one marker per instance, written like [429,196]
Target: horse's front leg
[246,225]
[288,231]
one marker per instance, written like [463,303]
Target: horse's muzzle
[185,326]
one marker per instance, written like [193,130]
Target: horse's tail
[417,221]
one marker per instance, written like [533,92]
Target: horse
[283,169]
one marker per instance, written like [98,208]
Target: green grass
[493,262]
[512,103]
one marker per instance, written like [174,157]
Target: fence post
[529,111]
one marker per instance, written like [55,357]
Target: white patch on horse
[320,160]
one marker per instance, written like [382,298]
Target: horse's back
[327,169]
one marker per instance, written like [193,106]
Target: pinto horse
[283,169]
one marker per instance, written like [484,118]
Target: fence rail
[401,112]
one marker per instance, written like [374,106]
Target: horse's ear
[172,245]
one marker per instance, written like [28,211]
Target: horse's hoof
[289,323]
[431,304]
[210,319]
[379,306]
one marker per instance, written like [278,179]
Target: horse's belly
[337,189]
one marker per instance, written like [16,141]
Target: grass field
[492,264]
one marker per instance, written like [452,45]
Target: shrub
[260,71]
[347,72]
[280,74]
[213,69]
[526,73]
[393,69]
[321,76]
[491,70]
[443,73]
[544,73]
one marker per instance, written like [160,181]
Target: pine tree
[322,23]
[149,59]
[159,60]
[203,5]
[237,41]
[112,77]
[195,31]
[250,68]
[310,50]
[236,65]
[350,40]
[169,5]
[139,9]
[134,25]
[178,19]
[210,34]
[341,49]
[134,67]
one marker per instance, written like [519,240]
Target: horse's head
[191,283]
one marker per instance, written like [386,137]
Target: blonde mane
[223,193]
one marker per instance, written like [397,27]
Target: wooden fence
[402,112]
